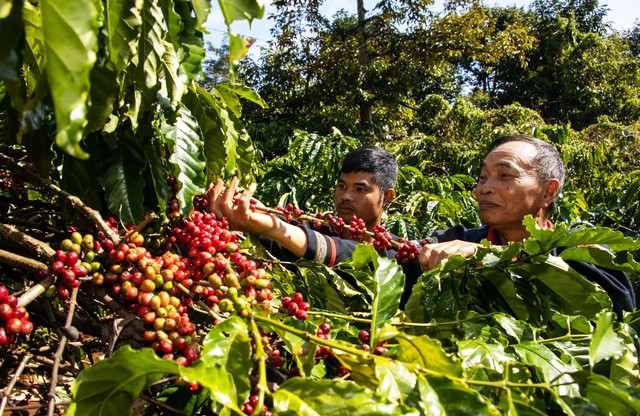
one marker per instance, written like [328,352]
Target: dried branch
[7,390]
[41,249]
[21,262]
[72,200]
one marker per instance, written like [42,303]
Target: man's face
[357,194]
[509,187]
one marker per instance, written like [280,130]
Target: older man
[520,176]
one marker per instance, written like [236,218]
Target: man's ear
[552,186]
[388,196]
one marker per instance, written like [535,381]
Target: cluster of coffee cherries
[249,406]
[14,319]
[72,263]
[407,250]
[296,306]
[323,332]
[364,337]
[357,228]
[11,182]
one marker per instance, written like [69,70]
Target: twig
[41,249]
[160,404]
[58,355]
[72,200]
[7,390]
[33,225]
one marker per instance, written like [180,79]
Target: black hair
[374,160]
[548,161]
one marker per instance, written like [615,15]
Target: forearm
[289,236]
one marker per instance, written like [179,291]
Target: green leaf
[427,353]
[201,9]
[228,345]
[230,92]
[104,90]
[507,289]
[11,31]
[604,341]
[123,23]
[549,367]
[218,380]
[395,380]
[5,8]
[228,148]
[122,182]
[477,353]
[186,38]
[304,352]
[602,257]
[302,396]
[574,293]
[386,286]
[429,401]
[241,10]
[458,399]
[151,46]
[158,171]
[109,387]
[186,156]
[612,398]
[70,39]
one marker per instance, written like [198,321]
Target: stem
[36,290]
[267,210]
[337,315]
[307,336]
[200,303]
[261,356]
[58,354]
[7,390]
[72,200]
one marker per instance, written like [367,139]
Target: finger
[244,201]
[214,197]
[226,203]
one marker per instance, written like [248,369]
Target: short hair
[548,161]
[374,160]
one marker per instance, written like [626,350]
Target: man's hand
[432,255]
[238,212]
[241,217]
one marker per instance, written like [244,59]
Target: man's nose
[484,187]
[347,195]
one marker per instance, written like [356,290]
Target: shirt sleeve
[327,250]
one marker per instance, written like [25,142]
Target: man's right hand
[432,255]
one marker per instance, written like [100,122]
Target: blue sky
[622,14]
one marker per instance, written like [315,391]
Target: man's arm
[242,218]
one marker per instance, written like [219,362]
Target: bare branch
[7,390]
[41,249]
[72,200]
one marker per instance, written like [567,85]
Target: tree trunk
[363,60]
